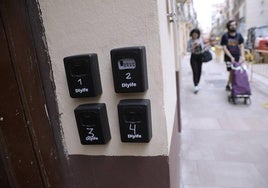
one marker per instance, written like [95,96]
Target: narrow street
[222,145]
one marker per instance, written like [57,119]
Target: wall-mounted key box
[129,69]
[83,76]
[135,120]
[92,123]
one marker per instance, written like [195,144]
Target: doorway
[28,148]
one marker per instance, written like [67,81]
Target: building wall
[168,64]
[256,13]
[79,27]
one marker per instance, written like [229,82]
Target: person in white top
[195,46]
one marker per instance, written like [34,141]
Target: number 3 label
[90,132]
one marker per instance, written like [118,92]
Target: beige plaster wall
[79,27]
[256,13]
[167,45]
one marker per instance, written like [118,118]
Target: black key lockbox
[83,76]
[92,123]
[129,69]
[135,120]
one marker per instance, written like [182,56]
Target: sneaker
[228,88]
[196,89]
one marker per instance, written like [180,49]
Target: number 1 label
[80,81]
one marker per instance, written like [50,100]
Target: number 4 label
[132,127]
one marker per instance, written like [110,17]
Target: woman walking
[195,46]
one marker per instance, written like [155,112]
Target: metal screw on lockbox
[129,69]
[83,75]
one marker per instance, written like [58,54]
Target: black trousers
[196,64]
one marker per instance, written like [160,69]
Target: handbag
[206,56]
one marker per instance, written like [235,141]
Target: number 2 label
[128,75]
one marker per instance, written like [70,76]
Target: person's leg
[194,66]
[229,81]
[199,70]
[195,69]
[230,77]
